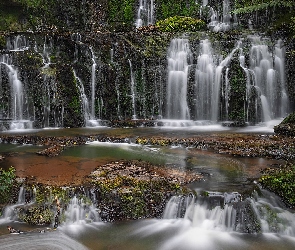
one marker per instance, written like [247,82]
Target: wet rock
[135,189]
[51,151]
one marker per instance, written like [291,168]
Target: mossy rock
[36,215]
[287,126]
[281,182]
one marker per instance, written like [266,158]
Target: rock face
[287,126]
[71,79]
[133,190]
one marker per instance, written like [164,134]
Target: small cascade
[145,13]
[24,197]
[229,213]
[179,60]
[52,116]
[132,86]
[84,99]
[92,121]
[220,22]
[17,43]
[80,212]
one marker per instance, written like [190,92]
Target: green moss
[281,182]
[36,215]
[7,179]
[180,24]
[289,119]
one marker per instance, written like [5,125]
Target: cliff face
[94,64]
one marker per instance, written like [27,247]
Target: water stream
[222,219]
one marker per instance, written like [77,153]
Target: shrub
[180,24]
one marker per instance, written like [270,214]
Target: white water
[92,121]
[269,77]
[133,91]
[89,119]
[145,13]
[205,88]
[220,21]
[10,213]
[80,211]
[17,43]
[52,116]
[179,59]
[16,111]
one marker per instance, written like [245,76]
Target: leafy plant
[7,179]
[180,24]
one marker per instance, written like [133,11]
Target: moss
[7,179]
[289,119]
[180,24]
[36,215]
[281,182]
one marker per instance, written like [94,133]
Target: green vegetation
[131,198]
[289,119]
[7,179]
[169,8]
[279,15]
[281,182]
[180,24]
[36,215]
[11,16]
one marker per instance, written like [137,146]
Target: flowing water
[221,219]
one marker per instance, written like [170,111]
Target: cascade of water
[224,23]
[93,84]
[145,13]
[269,78]
[18,111]
[208,82]
[9,212]
[204,82]
[279,64]
[80,212]
[227,212]
[84,99]
[17,43]
[179,59]
[132,85]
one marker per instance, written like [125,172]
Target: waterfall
[84,99]
[209,76]
[80,212]
[145,13]
[17,43]
[269,78]
[132,86]
[218,24]
[179,59]
[10,211]
[93,78]
[17,111]
[51,116]
[92,121]
[204,83]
